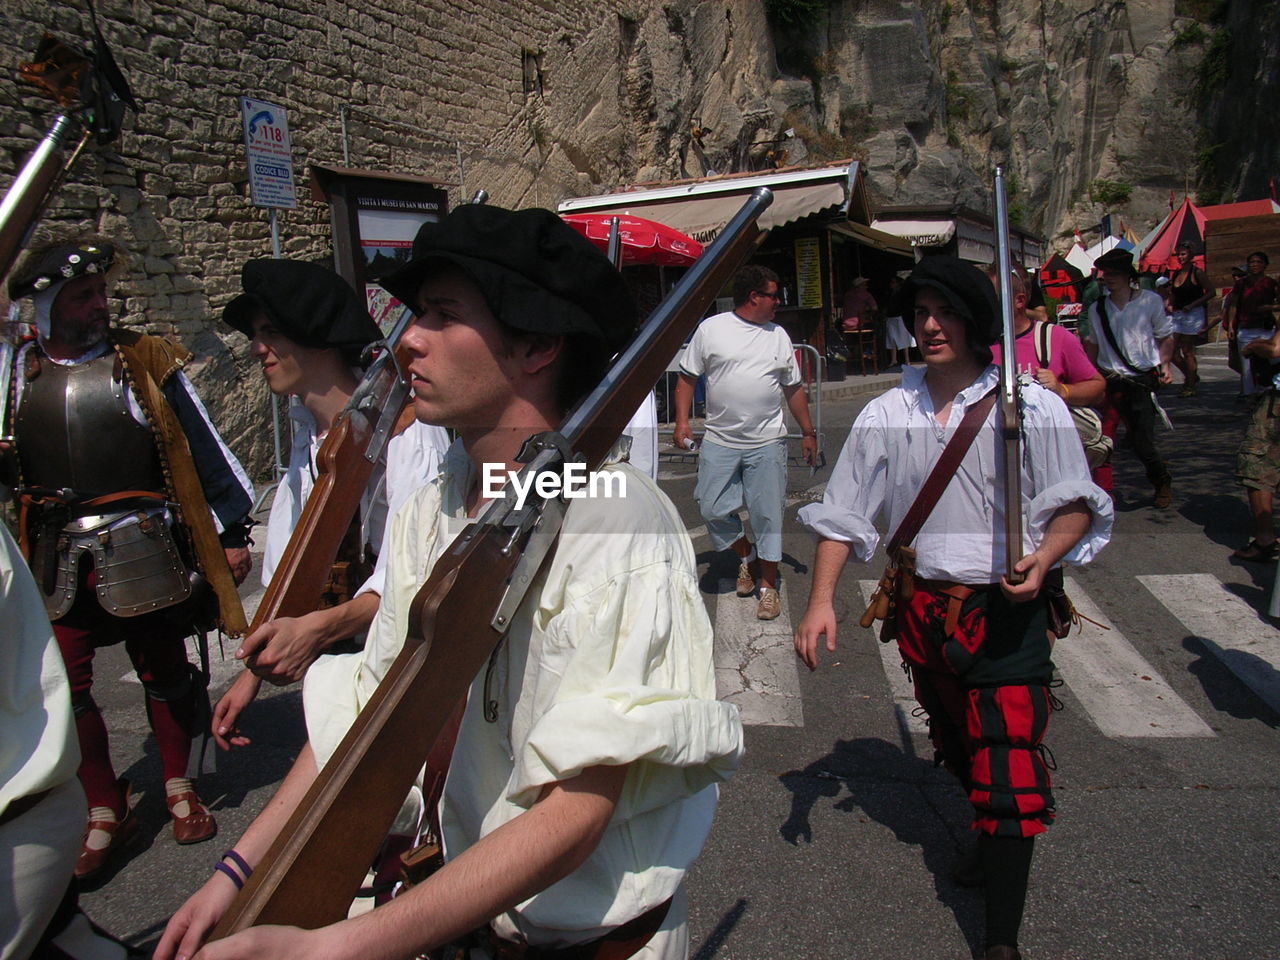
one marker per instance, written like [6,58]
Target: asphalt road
[836,838]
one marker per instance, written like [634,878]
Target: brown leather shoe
[746,584]
[92,860]
[1002,953]
[198,825]
[1164,495]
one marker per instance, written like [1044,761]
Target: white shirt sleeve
[692,360]
[855,493]
[1060,474]
[792,375]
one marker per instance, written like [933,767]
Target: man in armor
[133,515]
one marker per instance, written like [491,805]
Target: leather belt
[618,944]
[956,594]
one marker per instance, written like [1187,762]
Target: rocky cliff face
[1068,94]
[1093,108]
[1238,96]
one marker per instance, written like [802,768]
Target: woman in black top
[1189,291]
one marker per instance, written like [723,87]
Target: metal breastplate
[75,431]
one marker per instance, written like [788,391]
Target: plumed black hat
[1118,260]
[308,303]
[537,274]
[59,262]
[968,289]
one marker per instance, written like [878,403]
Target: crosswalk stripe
[1117,687]
[755,661]
[1228,627]
[904,697]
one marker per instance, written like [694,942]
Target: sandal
[1256,552]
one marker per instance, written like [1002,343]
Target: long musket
[1010,416]
[315,866]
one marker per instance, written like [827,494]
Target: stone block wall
[532,102]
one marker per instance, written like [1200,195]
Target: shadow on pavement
[1222,684]
[722,565]
[722,930]
[904,793]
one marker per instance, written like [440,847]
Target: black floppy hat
[968,289]
[308,303]
[59,262]
[1117,260]
[536,273]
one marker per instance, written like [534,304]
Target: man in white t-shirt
[751,371]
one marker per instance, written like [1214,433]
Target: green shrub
[1206,11]
[1216,66]
[1110,193]
[795,13]
[1193,34]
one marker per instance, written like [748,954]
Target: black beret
[968,289]
[1117,260]
[58,262]
[308,303]
[537,273]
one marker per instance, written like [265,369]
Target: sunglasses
[772,296]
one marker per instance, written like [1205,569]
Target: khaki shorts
[1258,461]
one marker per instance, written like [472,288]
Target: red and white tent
[1186,224]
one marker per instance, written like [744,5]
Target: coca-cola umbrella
[643,241]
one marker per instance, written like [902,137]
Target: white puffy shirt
[894,444]
[1136,328]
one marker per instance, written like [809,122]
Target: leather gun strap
[437,769]
[941,473]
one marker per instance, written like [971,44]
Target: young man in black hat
[126,491]
[1130,339]
[307,329]
[579,808]
[976,645]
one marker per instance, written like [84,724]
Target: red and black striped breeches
[985,688]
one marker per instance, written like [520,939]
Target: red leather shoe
[198,825]
[92,860]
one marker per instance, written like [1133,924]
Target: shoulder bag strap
[942,472]
[1111,337]
[1041,343]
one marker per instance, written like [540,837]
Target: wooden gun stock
[315,866]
